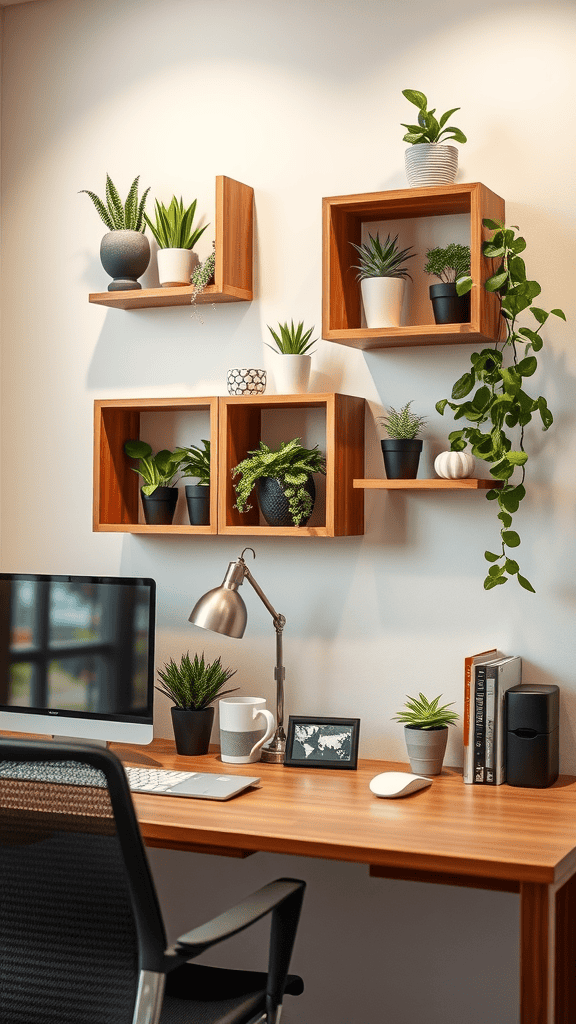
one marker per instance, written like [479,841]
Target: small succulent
[448,264]
[157,470]
[292,341]
[379,259]
[119,216]
[429,129]
[173,227]
[194,685]
[195,462]
[403,423]
[425,714]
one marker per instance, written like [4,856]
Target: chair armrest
[245,913]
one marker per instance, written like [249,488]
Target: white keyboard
[155,780]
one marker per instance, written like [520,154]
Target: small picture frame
[322,742]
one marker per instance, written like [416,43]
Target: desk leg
[548,953]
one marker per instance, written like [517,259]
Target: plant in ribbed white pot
[429,161]
[401,449]
[382,276]
[125,250]
[193,686]
[426,732]
[176,239]
[292,363]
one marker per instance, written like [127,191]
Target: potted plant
[382,277]
[125,250]
[426,732]
[449,264]
[193,686]
[159,496]
[492,395]
[195,462]
[401,449]
[283,478]
[176,239]
[203,275]
[292,364]
[428,160]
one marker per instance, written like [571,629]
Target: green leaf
[494,581]
[491,557]
[558,312]
[463,386]
[495,570]
[511,566]
[492,251]
[494,225]
[545,414]
[464,285]
[533,335]
[441,405]
[510,538]
[517,458]
[525,583]
[540,314]
[492,494]
[417,98]
[518,245]
[137,449]
[505,518]
[496,282]
[517,269]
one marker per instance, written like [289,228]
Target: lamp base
[273,756]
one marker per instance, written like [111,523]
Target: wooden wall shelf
[234,228]
[463,484]
[342,220]
[235,428]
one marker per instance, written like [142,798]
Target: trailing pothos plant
[492,395]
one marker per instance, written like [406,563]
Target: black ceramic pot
[401,457]
[192,730]
[160,506]
[125,255]
[448,306]
[274,503]
[198,501]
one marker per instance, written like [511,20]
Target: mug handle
[270,729]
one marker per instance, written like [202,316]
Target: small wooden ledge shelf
[463,484]
[234,231]
[342,220]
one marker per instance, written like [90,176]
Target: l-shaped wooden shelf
[462,484]
[234,228]
[342,219]
[235,429]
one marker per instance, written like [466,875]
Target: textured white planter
[431,163]
[291,374]
[382,300]
[174,267]
[454,465]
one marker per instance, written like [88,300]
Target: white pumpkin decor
[454,465]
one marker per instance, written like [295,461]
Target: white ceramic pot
[291,374]
[382,300]
[431,163]
[174,267]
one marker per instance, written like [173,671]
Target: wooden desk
[513,840]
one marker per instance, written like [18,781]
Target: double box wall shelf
[236,427]
[343,217]
[234,227]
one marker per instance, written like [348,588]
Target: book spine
[479,723]
[467,735]
[490,726]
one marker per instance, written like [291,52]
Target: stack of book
[487,676]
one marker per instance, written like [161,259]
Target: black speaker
[532,727]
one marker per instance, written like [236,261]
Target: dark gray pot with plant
[193,686]
[449,264]
[426,732]
[401,449]
[159,497]
[291,467]
[125,250]
[195,462]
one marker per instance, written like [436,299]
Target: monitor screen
[77,656]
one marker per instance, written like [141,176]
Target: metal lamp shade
[222,610]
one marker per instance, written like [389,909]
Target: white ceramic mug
[241,733]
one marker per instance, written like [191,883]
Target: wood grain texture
[520,835]
[465,484]
[234,243]
[342,221]
[565,953]
[534,953]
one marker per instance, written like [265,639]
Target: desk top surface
[491,832]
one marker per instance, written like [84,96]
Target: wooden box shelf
[234,227]
[116,486]
[342,220]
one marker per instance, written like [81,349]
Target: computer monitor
[77,656]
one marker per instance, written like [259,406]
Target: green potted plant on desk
[448,265]
[402,448]
[176,239]
[193,686]
[159,496]
[292,364]
[283,479]
[426,732]
[382,276]
[195,462]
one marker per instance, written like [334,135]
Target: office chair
[81,934]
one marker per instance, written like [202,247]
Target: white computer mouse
[391,784]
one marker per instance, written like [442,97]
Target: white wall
[300,100]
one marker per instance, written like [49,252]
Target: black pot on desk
[192,730]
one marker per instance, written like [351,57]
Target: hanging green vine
[500,399]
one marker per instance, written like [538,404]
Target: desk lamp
[223,611]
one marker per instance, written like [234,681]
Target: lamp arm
[277,745]
[279,620]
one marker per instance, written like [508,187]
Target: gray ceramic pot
[125,255]
[426,749]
